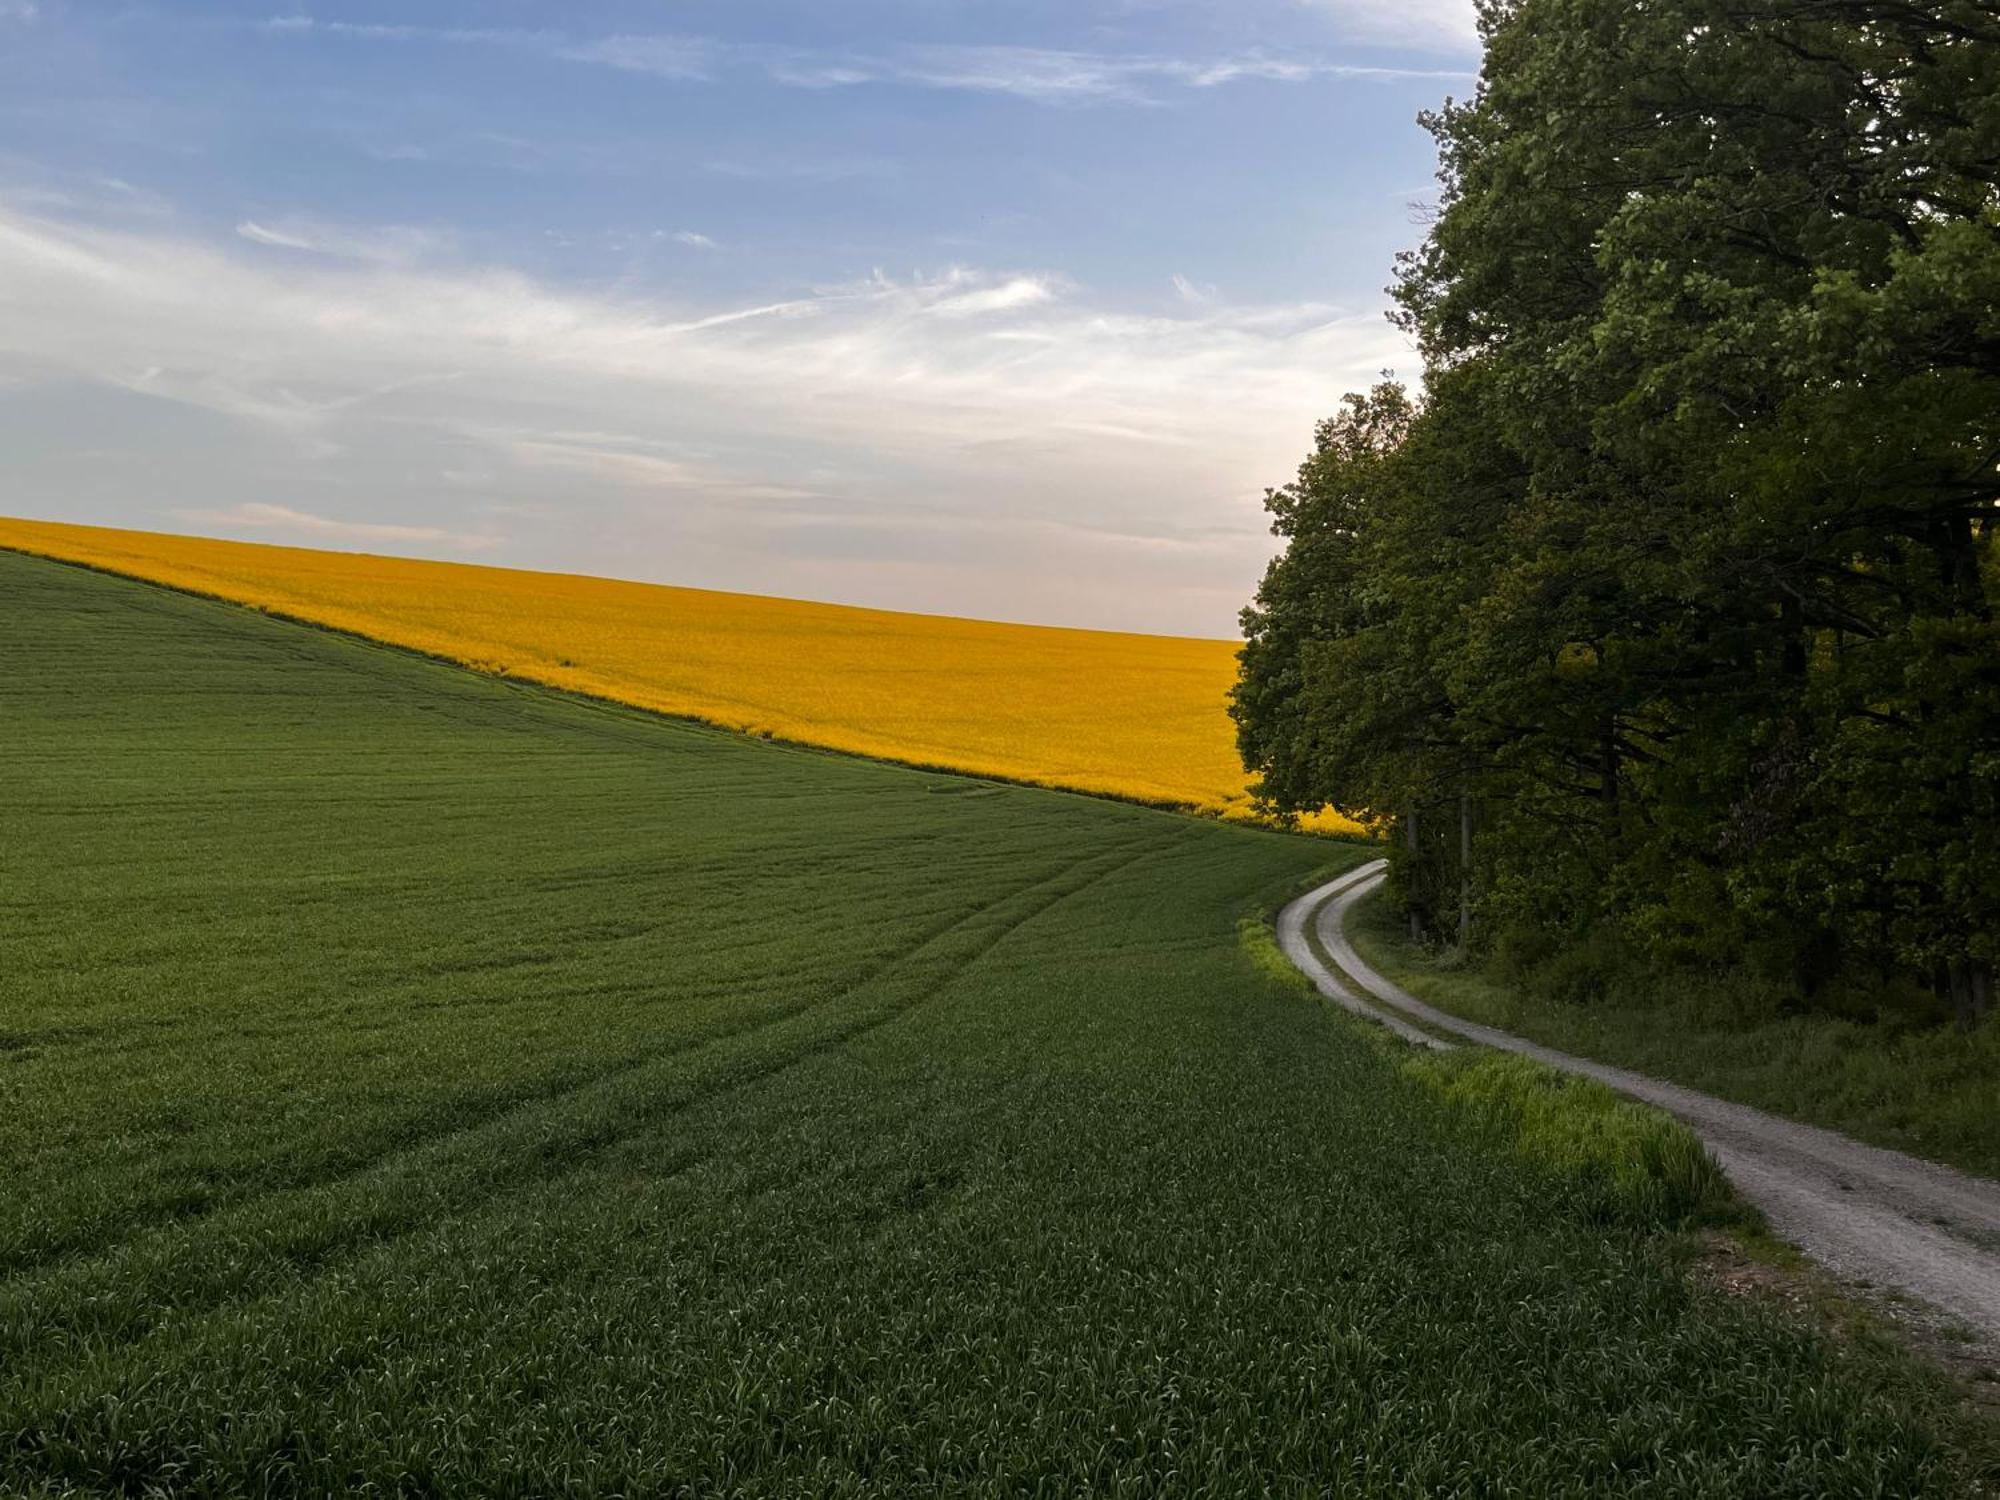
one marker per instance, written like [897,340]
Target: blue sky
[1003,309]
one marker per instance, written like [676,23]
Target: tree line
[1659,625]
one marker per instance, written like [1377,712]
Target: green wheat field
[413,1083]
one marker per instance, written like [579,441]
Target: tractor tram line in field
[820,1026]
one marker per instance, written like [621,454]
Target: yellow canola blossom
[1136,716]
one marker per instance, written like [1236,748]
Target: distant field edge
[382,634]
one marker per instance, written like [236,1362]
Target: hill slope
[1132,716]
[420,1082]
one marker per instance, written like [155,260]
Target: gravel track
[1874,1218]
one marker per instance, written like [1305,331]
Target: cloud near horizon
[885,440]
[258,516]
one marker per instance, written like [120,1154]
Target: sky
[1002,308]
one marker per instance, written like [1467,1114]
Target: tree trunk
[1958,567]
[1971,984]
[1464,868]
[1793,629]
[1608,753]
[1416,870]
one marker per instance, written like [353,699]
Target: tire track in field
[957,965]
[118,1295]
[485,1114]
[1873,1217]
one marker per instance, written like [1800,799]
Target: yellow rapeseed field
[1135,716]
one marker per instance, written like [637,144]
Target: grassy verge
[1928,1091]
[417,1083]
[1609,1158]
[1614,1160]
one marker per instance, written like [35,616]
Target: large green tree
[1683,570]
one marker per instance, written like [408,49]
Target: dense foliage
[1663,624]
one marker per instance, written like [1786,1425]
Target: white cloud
[686,59]
[391,244]
[87,294]
[259,516]
[1040,75]
[817,73]
[251,230]
[1193,293]
[1431,25]
[694,241]
[627,460]
[802,169]
[373,32]
[1048,76]
[798,308]
[982,438]
[1029,73]
[1007,296]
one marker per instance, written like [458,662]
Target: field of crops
[1132,716]
[413,1081]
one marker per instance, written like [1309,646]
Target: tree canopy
[1679,575]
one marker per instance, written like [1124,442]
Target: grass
[1616,1160]
[1612,1159]
[1929,1090]
[1134,716]
[420,1083]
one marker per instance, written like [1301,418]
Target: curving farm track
[1872,1217]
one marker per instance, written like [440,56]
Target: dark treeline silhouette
[1661,625]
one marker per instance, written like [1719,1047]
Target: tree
[1685,566]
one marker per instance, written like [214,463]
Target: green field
[412,1083]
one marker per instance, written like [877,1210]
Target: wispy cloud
[688,59]
[376,32]
[257,234]
[1016,425]
[389,244]
[258,516]
[1431,25]
[802,169]
[961,354]
[1040,75]
[1193,293]
[1011,295]
[18,10]
[636,462]
[1063,77]
[693,240]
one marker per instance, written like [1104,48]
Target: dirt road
[1872,1217]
